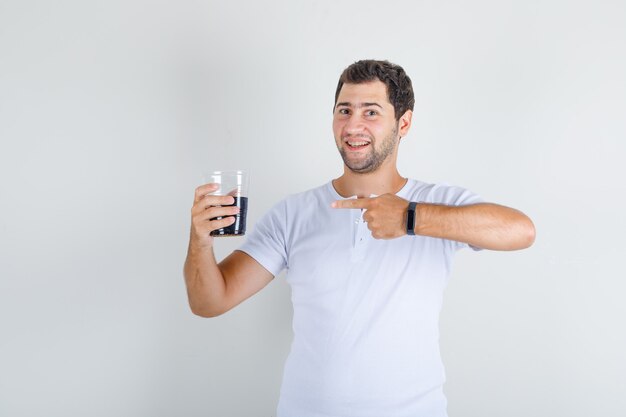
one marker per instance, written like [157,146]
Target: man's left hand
[385,215]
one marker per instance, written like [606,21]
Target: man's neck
[363,185]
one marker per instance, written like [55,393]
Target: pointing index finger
[358,203]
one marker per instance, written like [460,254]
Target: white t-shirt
[365,311]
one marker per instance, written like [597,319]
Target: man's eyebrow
[371,104]
[347,104]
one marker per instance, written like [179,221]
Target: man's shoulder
[416,190]
[303,199]
[319,193]
[438,193]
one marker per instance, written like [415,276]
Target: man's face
[364,124]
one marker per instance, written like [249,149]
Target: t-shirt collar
[403,192]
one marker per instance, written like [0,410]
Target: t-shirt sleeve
[266,243]
[455,196]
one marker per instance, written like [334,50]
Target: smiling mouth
[354,145]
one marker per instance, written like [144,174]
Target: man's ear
[404,124]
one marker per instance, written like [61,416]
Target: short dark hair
[399,87]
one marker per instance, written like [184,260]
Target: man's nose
[354,124]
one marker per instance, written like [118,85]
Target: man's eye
[344,111]
[371,113]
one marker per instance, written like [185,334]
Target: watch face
[410,219]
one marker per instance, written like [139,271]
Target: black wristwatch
[410,219]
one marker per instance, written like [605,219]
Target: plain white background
[110,112]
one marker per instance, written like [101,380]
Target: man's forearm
[485,225]
[204,280]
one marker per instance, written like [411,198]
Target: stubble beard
[375,158]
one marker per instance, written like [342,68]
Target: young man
[368,256]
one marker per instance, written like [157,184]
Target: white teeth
[357,143]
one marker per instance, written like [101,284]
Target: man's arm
[484,225]
[214,288]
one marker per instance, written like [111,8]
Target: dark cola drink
[239,227]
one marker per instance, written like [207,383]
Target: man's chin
[363,166]
[361,169]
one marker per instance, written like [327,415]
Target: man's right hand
[206,280]
[205,210]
